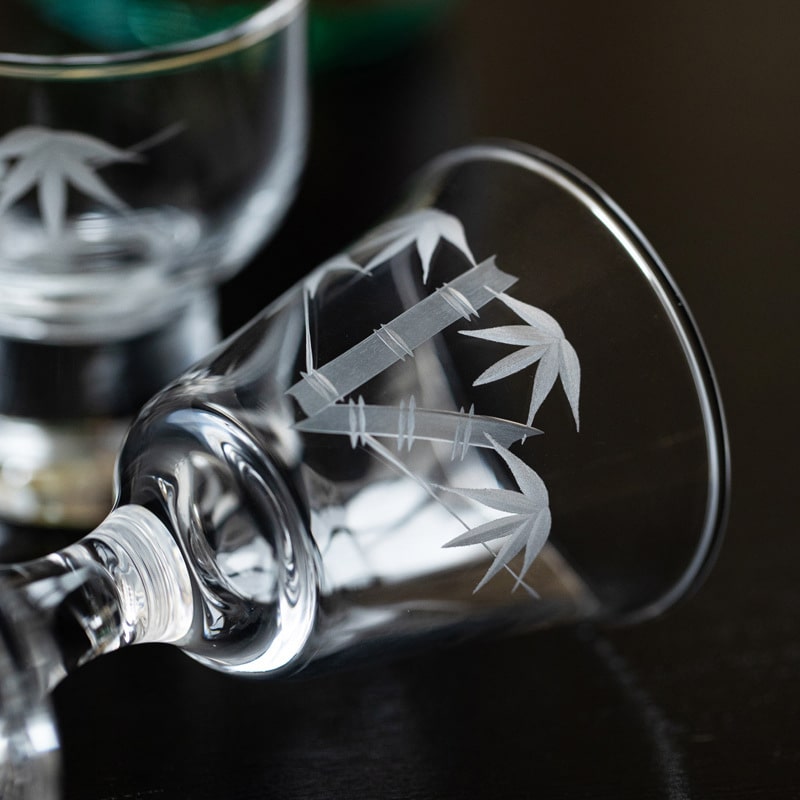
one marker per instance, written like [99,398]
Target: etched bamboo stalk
[406,423]
[398,339]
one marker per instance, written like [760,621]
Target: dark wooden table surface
[688,114]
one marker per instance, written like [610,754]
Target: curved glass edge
[272,18]
[645,257]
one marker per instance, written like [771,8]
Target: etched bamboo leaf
[21,140]
[508,500]
[427,242]
[488,531]
[569,369]
[511,547]
[542,340]
[52,200]
[87,149]
[510,364]
[390,458]
[546,374]
[527,526]
[425,228]
[20,178]
[521,335]
[535,540]
[535,317]
[528,480]
[84,179]
[51,160]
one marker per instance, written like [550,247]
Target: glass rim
[666,290]
[272,17]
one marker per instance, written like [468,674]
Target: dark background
[687,113]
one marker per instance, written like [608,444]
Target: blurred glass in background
[147,151]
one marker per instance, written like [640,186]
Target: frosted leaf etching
[390,458]
[50,161]
[325,394]
[542,340]
[425,228]
[527,525]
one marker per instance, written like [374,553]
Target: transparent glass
[131,183]
[29,763]
[493,413]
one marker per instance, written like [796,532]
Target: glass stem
[124,583]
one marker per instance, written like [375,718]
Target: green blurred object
[341,32]
[354,32]
[117,25]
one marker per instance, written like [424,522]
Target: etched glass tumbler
[492,413]
[147,150]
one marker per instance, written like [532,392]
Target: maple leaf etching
[51,160]
[425,228]
[527,520]
[542,340]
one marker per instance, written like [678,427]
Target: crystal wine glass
[492,413]
[146,151]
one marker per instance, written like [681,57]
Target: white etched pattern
[394,342]
[53,160]
[415,326]
[424,229]
[388,457]
[542,340]
[408,423]
[527,525]
[463,435]
[357,422]
[460,304]
[322,385]
[526,518]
